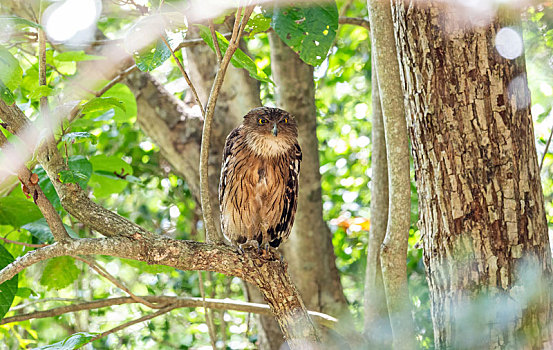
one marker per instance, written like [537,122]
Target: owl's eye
[285,120]
[262,121]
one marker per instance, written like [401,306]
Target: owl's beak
[275,130]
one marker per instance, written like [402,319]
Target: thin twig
[30,245]
[180,302]
[102,272]
[133,322]
[357,21]
[207,211]
[42,301]
[546,148]
[186,77]
[115,80]
[215,41]
[208,320]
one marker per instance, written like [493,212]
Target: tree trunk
[309,249]
[486,248]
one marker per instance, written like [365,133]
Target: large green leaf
[18,211]
[8,289]
[59,273]
[152,57]
[102,104]
[5,94]
[124,95]
[10,71]
[239,59]
[78,137]
[109,175]
[74,341]
[309,30]
[42,232]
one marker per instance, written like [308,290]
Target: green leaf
[17,211]
[5,94]
[8,289]
[48,188]
[78,137]
[102,104]
[10,71]
[81,170]
[41,231]
[59,273]
[24,292]
[41,91]
[109,175]
[152,57]
[76,56]
[6,21]
[74,341]
[123,94]
[258,24]
[239,59]
[309,31]
[69,176]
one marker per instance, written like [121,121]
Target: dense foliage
[110,157]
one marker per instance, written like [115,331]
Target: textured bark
[393,254]
[486,247]
[377,327]
[309,249]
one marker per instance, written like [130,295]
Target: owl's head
[270,131]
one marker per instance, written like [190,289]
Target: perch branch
[181,302]
[271,277]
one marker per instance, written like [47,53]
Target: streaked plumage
[259,179]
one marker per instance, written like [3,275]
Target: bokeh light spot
[508,42]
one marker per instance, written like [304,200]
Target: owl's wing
[232,138]
[284,226]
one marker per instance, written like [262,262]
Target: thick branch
[271,277]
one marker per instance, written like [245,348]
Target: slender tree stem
[208,319]
[186,77]
[215,41]
[30,245]
[546,148]
[207,211]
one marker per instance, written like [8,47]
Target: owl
[258,189]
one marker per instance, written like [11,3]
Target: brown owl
[258,189]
